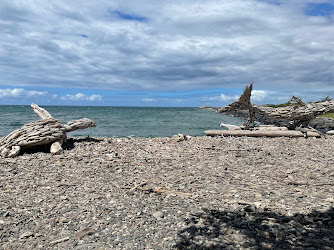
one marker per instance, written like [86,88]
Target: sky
[165,53]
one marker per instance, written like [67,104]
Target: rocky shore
[170,193]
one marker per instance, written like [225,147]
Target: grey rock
[158,214]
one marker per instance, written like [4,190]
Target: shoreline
[161,193]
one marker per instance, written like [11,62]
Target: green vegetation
[286,104]
[328,115]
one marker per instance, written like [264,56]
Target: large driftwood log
[261,133]
[260,127]
[46,131]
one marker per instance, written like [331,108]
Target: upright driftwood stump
[47,131]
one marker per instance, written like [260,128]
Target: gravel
[163,193]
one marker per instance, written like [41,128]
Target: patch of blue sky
[125,98]
[319,9]
[130,17]
[58,33]
[192,93]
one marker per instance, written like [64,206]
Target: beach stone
[56,148]
[85,232]
[250,208]
[14,152]
[158,214]
[4,152]
[26,235]
[187,137]
[179,137]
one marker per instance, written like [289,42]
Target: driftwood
[47,131]
[261,133]
[299,115]
[260,127]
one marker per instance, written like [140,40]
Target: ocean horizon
[122,121]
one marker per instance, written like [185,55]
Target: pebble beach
[167,193]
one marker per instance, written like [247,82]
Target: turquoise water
[123,121]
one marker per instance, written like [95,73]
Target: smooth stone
[250,208]
[56,148]
[14,152]
[26,235]
[158,214]
[331,223]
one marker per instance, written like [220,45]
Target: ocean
[122,121]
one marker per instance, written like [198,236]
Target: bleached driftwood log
[260,127]
[230,127]
[47,131]
[261,133]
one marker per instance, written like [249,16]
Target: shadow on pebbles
[167,193]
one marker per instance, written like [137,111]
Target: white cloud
[210,99]
[20,93]
[147,100]
[259,95]
[226,98]
[95,97]
[82,97]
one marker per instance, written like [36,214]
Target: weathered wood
[269,128]
[79,124]
[299,115]
[46,131]
[42,113]
[260,127]
[261,133]
[230,127]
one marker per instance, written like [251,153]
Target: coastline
[160,193]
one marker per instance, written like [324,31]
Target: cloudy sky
[164,53]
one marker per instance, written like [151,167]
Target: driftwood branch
[298,100]
[42,113]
